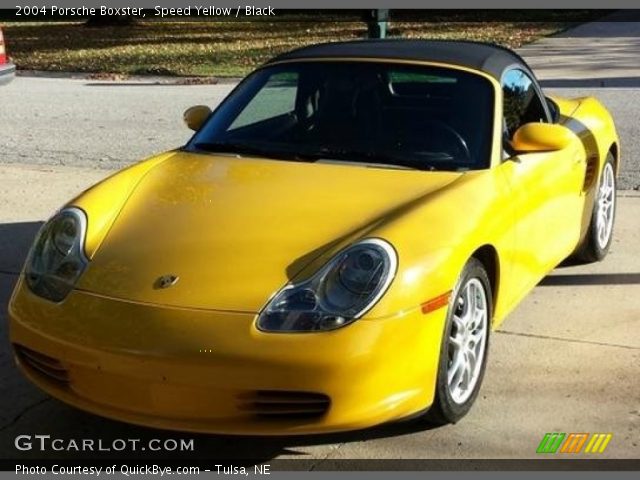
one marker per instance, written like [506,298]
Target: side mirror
[542,137]
[194,117]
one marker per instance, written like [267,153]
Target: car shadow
[15,240]
[591,279]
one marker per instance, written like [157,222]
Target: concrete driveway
[595,54]
[566,360]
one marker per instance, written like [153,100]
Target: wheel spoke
[466,306]
[477,336]
[610,210]
[471,294]
[479,318]
[456,342]
[471,359]
[601,229]
[455,368]
[458,322]
[467,376]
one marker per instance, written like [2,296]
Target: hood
[235,230]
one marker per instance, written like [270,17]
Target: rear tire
[597,241]
[464,347]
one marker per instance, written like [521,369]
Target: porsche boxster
[331,249]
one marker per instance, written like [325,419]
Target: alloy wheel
[605,206]
[467,339]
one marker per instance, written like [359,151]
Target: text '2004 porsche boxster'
[330,250]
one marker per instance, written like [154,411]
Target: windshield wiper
[249,150]
[374,158]
[331,154]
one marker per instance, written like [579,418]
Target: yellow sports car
[329,251]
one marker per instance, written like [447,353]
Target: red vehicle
[7,69]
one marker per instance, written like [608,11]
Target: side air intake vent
[282,403]
[41,364]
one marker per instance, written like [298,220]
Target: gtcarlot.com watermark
[44,443]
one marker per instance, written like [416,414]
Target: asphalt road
[109,125]
[566,360]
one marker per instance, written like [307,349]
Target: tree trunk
[110,21]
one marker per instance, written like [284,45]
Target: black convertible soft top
[486,57]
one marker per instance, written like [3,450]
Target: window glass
[277,97]
[408,116]
[522,103]
[400,76]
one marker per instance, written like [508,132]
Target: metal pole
[377,21]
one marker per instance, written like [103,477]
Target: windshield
[382,114]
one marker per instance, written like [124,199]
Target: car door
[545,186]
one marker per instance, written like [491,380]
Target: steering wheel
[445,135]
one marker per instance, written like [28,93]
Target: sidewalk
[595,54]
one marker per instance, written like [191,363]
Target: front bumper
[201,370]
[7,72]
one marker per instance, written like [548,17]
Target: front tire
[597,241]
[464,348]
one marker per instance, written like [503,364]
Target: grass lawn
[232,48]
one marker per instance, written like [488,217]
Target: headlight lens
[57,258]
[338,294]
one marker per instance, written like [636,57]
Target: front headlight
[338,294]
[57,257]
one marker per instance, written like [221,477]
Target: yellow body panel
[236,230]
[240,252]
[189,369]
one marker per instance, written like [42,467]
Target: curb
[120,78]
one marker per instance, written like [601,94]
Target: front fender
[103,202]
[436,239]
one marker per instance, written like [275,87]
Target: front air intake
[43,365]
[283,403]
